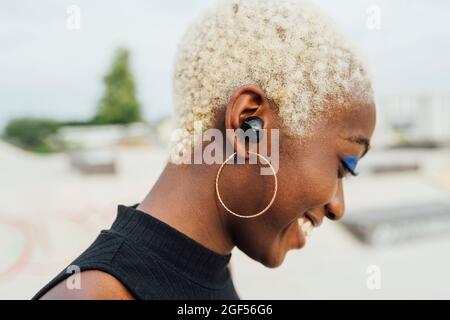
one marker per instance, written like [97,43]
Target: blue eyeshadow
[350,163]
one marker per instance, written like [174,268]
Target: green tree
[31,133]
[119,103]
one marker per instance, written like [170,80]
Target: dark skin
[310,182]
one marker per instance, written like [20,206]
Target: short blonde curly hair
[288,48]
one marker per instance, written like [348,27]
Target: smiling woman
[266,67]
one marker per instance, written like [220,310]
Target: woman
[280,72]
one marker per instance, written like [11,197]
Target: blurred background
[85,117]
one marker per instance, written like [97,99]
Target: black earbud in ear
[255,125]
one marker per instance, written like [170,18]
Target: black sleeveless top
[154,261]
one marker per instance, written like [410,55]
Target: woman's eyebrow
[361,141]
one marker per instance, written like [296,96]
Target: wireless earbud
[255,125]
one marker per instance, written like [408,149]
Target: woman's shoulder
[92,275]
[94,285]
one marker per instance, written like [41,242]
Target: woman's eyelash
[349,164]
[348,169]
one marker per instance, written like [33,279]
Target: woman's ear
[247,101]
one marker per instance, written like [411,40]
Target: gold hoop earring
[271,201]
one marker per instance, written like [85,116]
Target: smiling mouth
[306,226]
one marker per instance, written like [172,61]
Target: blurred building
[421,118]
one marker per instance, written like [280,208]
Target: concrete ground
[50,213]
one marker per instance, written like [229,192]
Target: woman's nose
[335,209]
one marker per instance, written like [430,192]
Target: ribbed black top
[154,261]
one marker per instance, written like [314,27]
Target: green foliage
[31,133]
[119,104]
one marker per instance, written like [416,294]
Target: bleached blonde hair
[289,48]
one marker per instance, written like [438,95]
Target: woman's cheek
[321,189]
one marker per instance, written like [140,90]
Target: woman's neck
[184,198]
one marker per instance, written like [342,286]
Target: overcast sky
[47,69]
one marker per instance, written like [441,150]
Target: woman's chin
[273,258]
[292,238]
